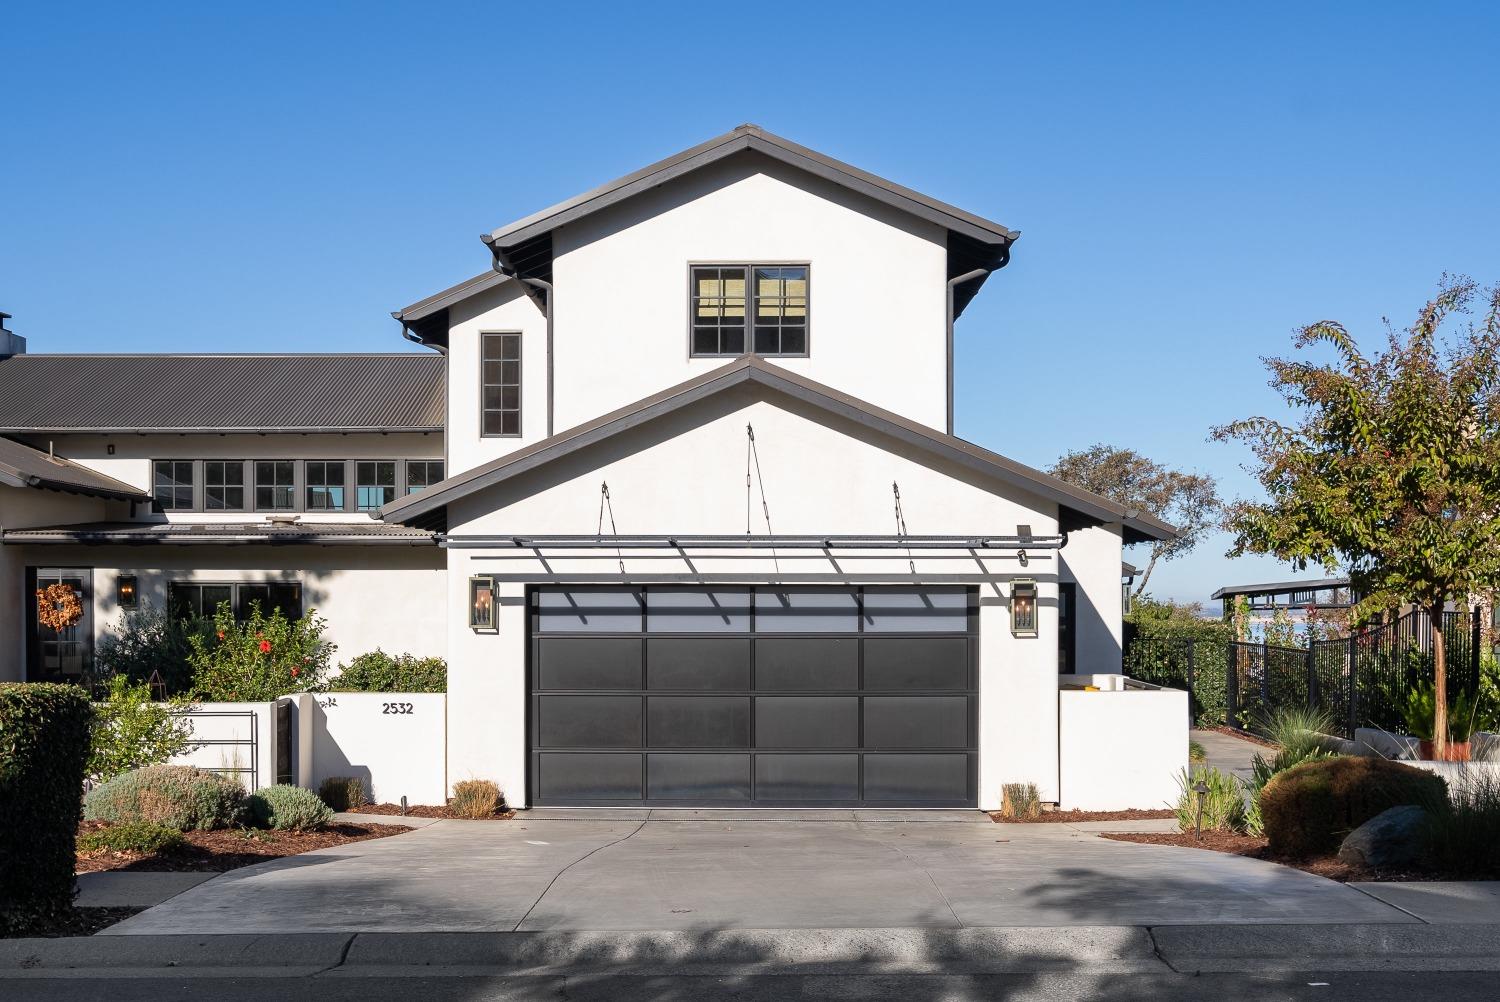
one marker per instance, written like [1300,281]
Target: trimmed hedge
[1308,809]
[378,671]
[44,748]
[288,807]
[178,796]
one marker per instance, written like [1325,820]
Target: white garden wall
[1121,750]
[234,739]
[394,742]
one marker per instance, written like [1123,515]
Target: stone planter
[1457,751]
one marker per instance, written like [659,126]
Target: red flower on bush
[296,672]
[221,634]
[265,647]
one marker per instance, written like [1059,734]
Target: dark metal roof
[426,508]
[23,466]
[217,393]
[1281,587]
[973,241]
[1128,570]
[226,533]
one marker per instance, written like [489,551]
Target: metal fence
[1360,681]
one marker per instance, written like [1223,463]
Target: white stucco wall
[372,596]
[1122,750]
[686,474]
[500,310]
[393,742]
[1092,561]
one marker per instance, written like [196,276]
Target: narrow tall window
[770,299]
[325,485]
[275,485]
[172,485]
[223,486]
[500,385]
[374,484]
[422,474]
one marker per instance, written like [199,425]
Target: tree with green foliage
[1188,501]
[1391,468]
[131,731]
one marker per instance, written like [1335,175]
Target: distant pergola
[1319,594]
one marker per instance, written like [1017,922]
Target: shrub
[1301,734]
[1463,828]
[136,836]
[44,748]
[1223,804]
[151,640]
[475,798]
[288,807]
[261,658]
[1309,808]
[378,671]
[178,796]
[130,731]
[342,793]
[1020,802]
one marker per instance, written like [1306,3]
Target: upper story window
[275,485]
[224,485]
[374,484]
[325,485]
[500,385]
[762,305]
[422,474]
[172,484]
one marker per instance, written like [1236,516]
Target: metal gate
[765,696]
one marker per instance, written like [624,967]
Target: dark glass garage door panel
[698,721]
[829,663]
[807,721]
[589,721]
[917,778]
[588,776]
[916,663]
[686,776]
[917,722]
[807,777]
[584,610]
[690,663]
[589,663]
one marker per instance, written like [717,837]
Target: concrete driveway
[637,873]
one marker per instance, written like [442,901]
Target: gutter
[953,283]
[501,262]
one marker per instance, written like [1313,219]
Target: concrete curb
[1394,947]
[288,955]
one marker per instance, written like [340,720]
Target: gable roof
[222,393]
[23,466]
[525,246]
[427,508]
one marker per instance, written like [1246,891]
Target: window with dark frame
[172,484]
[194,600]
[1067,626]
[275,485]
[422,474]
[500,385]
[325,485]
[772,299]
[223,485]
[374,484]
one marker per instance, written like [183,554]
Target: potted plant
[1419,711]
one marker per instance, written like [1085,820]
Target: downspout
[501,263]
[967,276]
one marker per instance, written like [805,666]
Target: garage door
[762,696]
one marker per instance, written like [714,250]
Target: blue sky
[1192,181]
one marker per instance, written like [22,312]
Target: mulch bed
[1064,817]
[1249,845]
[78,922]
[217,851]
[427,811]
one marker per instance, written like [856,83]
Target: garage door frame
[894,756]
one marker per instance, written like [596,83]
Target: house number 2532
[395,707]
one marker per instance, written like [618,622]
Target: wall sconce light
[127,595]
[1023,608]
[482,604]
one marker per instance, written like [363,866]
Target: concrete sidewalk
[702,875]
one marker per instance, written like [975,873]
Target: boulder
[1391,840]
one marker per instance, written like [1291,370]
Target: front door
[66,654]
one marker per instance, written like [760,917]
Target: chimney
[10,344]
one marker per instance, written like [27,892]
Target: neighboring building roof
[219,393]
[226,533]
[1128,570]
[526,244]
[1281,587]
[427,507]
[23,466]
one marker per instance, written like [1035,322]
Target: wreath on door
[57,606]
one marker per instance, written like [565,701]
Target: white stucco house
[672,484]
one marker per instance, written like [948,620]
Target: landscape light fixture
[1023,609]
